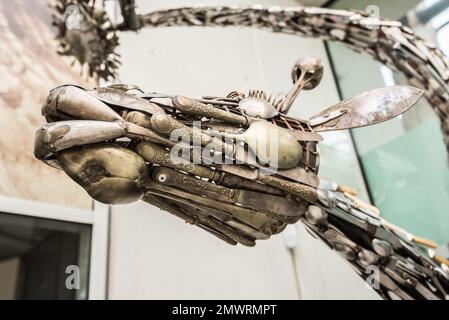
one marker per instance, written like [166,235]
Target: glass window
[404,160]
[43,259]
[443,36]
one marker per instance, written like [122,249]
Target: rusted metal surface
[368,108]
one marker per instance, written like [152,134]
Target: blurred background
[49,226]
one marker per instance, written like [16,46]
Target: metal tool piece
[259,108]
[306,74]
[368,108]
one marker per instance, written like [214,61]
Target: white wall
[155,255]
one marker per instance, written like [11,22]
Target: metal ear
[306,75]
[366,109]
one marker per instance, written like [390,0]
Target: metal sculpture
[389,42]
[238,166]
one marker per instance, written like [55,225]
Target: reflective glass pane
[43,259]
[405,161]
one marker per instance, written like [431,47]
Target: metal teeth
[236,95]
[274,99]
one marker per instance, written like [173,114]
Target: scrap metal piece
[316,216]
[256,107]
[272,145]
[125,100]
[194,107]
[57,136]
[73,102]
[306,74]
[382,248]
[99,170]
[366,109]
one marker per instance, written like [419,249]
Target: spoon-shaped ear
[366,109]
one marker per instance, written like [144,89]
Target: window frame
[98,217]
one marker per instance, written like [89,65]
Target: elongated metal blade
[366,109]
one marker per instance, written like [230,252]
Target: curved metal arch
[389,42]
